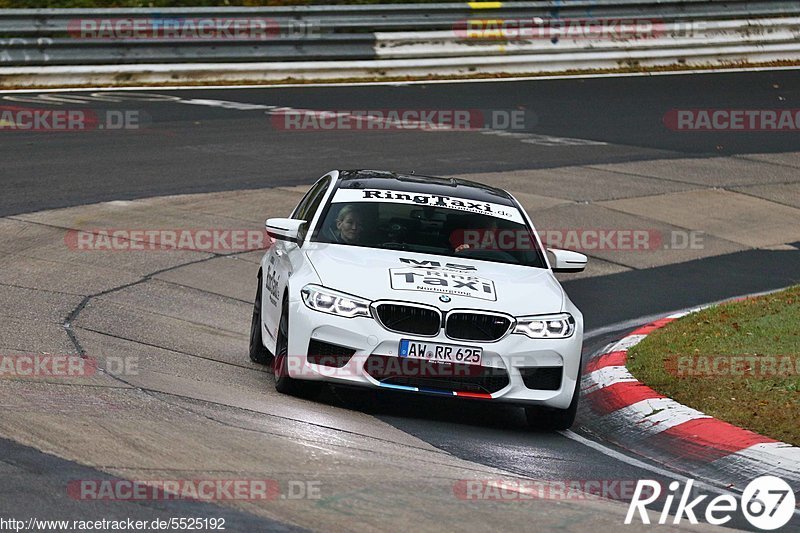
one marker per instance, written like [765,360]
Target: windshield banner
[435,200]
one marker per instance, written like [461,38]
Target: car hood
[431,279]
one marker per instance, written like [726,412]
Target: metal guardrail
[298,33]
[129,51]
[670,35]
[319,42]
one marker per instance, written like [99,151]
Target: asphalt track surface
[199,148]
[203,148]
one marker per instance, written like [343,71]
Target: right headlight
[558,326]
[334,302]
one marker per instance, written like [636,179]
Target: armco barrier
[113,46]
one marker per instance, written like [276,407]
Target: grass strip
[738,362]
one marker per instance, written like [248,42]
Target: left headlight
[559,326]
[334,302]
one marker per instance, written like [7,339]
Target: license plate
[440,353]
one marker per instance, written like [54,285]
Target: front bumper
[368,337]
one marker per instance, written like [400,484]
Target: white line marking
[652,416]
[627,342]
[605,377]
[641,464]
[775,450]
[543,140]
[683,313]
[388,122]
[414,82]
[775,458]
[645,466]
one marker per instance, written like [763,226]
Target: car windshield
[500,237]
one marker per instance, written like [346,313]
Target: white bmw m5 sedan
[426,285]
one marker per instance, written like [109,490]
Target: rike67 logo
[767,502]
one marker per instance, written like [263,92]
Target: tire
[258,352]
[283,382]
[550,419]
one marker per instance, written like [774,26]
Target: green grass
[760,329]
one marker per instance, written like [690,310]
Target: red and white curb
[637,418]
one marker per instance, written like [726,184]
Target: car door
[284,258]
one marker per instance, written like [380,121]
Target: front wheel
[258,353]
[284,383]
[548,418]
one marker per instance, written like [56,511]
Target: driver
[350,226]
[481,233]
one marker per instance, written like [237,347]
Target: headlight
[558,326]
[334,302]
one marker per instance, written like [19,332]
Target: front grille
[542,377]
[476,326]
[440,376]
[326,354]
[409,319]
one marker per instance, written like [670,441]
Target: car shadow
[432,408]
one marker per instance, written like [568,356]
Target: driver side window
[310,203]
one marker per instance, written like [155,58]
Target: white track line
[645,466]
[641,464]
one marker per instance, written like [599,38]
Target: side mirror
[285,229]
[567,261]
